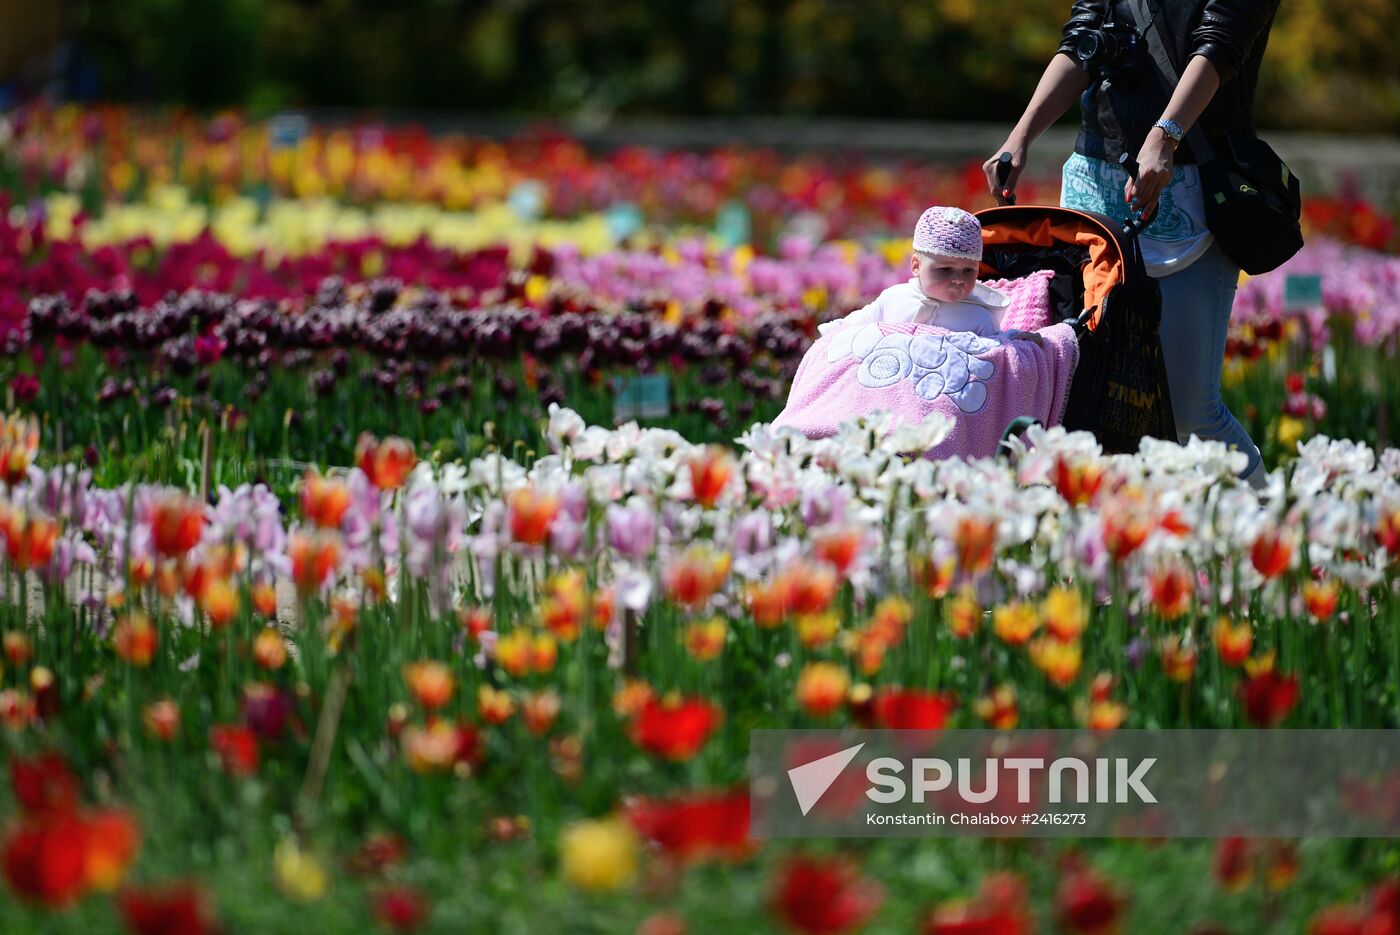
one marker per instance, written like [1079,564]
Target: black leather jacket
[1119,111]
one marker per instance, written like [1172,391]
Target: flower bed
[551,669]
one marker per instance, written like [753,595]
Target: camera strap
[1149,23]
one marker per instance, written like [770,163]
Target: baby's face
[942,278]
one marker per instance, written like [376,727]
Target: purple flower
[631,529]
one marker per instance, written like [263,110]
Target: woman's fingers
[1002,189]
[1143,192]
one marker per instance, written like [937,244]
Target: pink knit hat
[950,232]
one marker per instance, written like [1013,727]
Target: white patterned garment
[1177,236]
[979,313]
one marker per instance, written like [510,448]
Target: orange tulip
[1078,482]
[1170,588]
[811,587]
[890,617]
[1271,552]
[386,463]
[496,706]
[822,687]
[431,749]
[430,682]
[1232,642]
[769,602]
[964,614]
[219,601]
[710,473]
[1126,524]
[177,522]
[1106,715]
[998,708]
[975,539]
[531,515]
[30,539]
[603,608]
[1065,614]
[1015,623]
[1178,659]
[564,606]
[265,599]
[270,650]
[632,697]
[134,638]
[17,709]
[704,639]
[694,576]
[324,501]
[19,443]
[539,710]
[838,548]
[314,559]
[1388,529]
[162,719]
[1320,598]
[817,629]
[112,841]
[17,648]
[1059,660]
[935,577]
[521,652]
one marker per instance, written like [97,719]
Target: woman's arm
[1193,92]
[1059,87]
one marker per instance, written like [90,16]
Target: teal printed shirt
[1177,236]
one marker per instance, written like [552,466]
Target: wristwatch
[1171,128]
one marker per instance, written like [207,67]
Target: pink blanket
[909,370]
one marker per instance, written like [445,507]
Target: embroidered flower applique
[937,364]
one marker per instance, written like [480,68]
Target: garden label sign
[646,396]
[285,131]
[1301,292]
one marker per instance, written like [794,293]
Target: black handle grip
[1003,173]
[1135,225]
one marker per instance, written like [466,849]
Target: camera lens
[1089,45]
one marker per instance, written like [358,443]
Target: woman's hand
[1154,172]
[1019,151]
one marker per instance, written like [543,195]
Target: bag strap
[1149,23]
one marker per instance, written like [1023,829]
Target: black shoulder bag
[1252,200]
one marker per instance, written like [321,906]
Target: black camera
[1112,48]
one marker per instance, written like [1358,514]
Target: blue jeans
[1196,306]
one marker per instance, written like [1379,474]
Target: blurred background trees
[1332,65]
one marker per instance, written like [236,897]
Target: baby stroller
[1119,390]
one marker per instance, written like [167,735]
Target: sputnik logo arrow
[811,780]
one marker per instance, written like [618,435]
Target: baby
[943,289]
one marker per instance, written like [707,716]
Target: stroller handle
[1133,226]
[1005,196]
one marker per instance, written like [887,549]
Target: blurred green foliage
[1332,65]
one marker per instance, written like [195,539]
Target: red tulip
[46,861]
[1268,697]
[44,784]
[675,729]
[237,748]
[912,709]
[400,908]
[820,895]
[177,522]
[999,909]
[1088,904]
[696,825]
[178,909]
